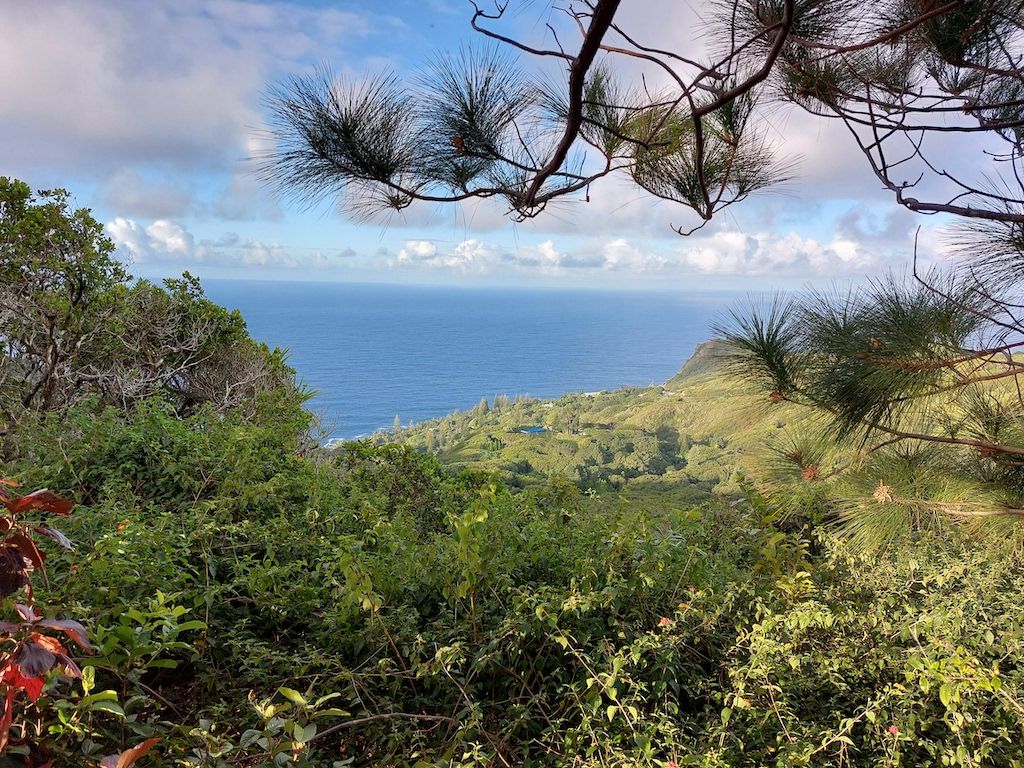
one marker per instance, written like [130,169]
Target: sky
[150,113]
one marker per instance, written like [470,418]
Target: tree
[898,73]
[73,326]
[56,270]
[175,341]
[931,94]
[482,408]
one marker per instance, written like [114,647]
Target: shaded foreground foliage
[230,583]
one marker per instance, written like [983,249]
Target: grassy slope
[686,438]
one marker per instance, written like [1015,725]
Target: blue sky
[148,111]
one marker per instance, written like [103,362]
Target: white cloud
[170,238]
[791,255]
[727,253]
[543,258]
[621,255]
[468,252]
[161,241]
[468,255]
[550,257]
[100,88]
[165,242]
[417,250]
[615,255]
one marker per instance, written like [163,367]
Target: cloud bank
[165,242]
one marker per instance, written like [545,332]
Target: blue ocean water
[372,352]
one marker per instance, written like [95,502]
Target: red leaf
[33,686]
[17,680]
[45,500]
[51,644]
[128,758]
[35,660]
[28,548]
[72,629]
[54,534]
[26,612]
[7,718]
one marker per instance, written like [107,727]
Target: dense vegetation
[633,586]
[460,622]
[255,601]
[665,436]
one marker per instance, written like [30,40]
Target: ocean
[372,352]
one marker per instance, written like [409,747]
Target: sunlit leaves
[129,757]
[610,114]
[863,357]
[765,345]
[707,166]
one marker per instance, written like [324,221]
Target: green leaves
[337,131]
[612,119]
[76,330]
[468,106]
[57,269]
[149,638]
[946,695]
[292,695]
[896,379]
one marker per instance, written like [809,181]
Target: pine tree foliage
[478,125]
[906,77]
[918,377]
[918,382]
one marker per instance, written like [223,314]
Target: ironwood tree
[919,375]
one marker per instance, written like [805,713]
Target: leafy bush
[74,328]
[35,652]
[454,621]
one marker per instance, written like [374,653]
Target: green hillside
[688,437]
